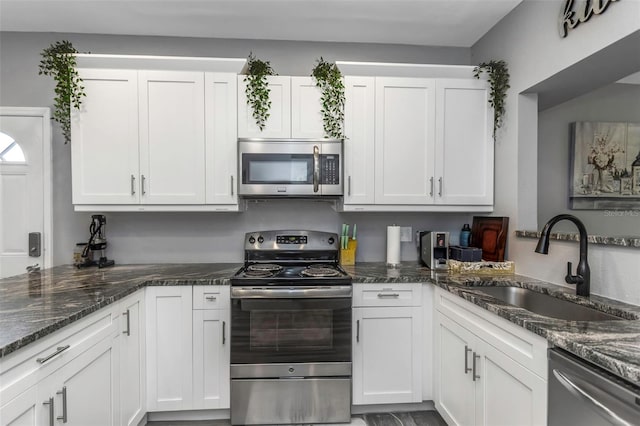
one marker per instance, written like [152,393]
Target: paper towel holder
[393,246]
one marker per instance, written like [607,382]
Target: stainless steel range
[290,331]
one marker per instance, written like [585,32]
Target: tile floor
[412,418]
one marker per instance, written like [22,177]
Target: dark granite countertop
[34,305]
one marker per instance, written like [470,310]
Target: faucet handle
[570,278]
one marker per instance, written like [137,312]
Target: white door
[278,124]
[464,143]
[306,109]
[404,140]
[25,188]
[132,360]
[387,355]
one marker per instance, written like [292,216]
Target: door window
[10,151]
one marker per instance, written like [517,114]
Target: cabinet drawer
[210,297]
[398,294]
[25,367]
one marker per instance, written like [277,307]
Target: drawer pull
[211,298]
[128,330]
[58,351]
[475,357]
[394,295]
[358,331]
[224,332]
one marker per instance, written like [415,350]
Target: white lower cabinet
[479,383]
[211,347]
[25,410]
[169,348]
[387,344]
[132,359]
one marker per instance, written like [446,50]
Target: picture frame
[603,166]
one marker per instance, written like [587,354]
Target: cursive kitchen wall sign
[570,18]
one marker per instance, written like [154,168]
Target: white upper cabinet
[404,140]
[172,143]
[464,142]
[278,125]
[306,109]
[359,127]
[295,109]
[157,140]
[430,141]
[104,147]
[221,138]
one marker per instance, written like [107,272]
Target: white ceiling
[458,23]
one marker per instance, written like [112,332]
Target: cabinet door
[387,355]
[502,379]
[404,140]
[172,143]
[454,386]
[104,133]
[132,360]
[359,126]
[278,125]
[169,348]
[26,409]
[306,109]
[464,143]
[221,138]
[86,388]
[211,358]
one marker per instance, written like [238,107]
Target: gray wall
[206,237]
[615,102]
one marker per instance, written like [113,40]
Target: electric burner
[301,258]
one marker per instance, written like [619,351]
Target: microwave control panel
[329,170]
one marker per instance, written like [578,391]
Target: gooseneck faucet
[582,279]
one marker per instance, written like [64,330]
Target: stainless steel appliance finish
[434,249]
[290,167]
[290,331]
[582,394]
[545,304]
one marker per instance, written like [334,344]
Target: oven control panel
[291,239]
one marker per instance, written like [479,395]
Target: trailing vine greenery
[329,79]
[59,61]
[499,79]
[257,89]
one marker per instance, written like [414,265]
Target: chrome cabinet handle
[589,398]
[128,330]
[58,351]
[466,359]
[133,185]
[231,185]
[349,186]
[475,357]
[51,411]
[431,186]
[316,168]
[394,295]
[357,330]
[224,332]
[63,392]
[210,298]
[440,186]
[143,181]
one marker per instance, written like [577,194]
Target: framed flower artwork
[604,160]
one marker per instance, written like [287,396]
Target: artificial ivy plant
[257,89]
[59,61]
[499,80]
[329,79]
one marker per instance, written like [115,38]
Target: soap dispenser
[465,235]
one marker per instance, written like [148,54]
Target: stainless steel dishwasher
[582,394]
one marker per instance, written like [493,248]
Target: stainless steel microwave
[290,167]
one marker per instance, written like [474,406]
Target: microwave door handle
[316,168]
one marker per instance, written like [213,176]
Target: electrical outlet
[406,234]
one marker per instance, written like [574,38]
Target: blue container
[465,235]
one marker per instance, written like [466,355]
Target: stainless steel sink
[546,305]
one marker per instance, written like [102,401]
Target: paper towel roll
[393,245]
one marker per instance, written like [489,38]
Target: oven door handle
[331,292]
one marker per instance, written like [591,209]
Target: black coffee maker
[97,243]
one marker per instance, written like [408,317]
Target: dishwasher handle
[572,385]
